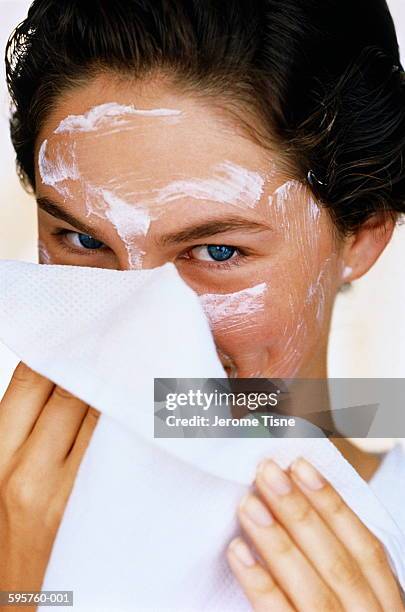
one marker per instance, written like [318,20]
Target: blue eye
[216,252]
[220,252]
[88,242]
[84,241]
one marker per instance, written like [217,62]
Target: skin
[44,432]
[314,553]
[292,250]
[272,249]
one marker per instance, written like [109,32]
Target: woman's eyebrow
[59,212]
[211,228]
[197,231]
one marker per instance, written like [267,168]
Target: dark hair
[322,76]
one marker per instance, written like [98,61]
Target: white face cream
[229,184]
[110,116]
[63,167]
[233,309]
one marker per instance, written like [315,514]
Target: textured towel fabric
[148,520]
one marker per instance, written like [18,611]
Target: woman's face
[133,176]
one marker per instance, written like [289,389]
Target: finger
[83,438]
[258,585]
[56,427]
[316,540]
[286,563]
[362,544]
[20,407]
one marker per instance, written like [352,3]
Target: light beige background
[368,332]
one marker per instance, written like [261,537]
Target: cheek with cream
[136,172]
[278,327]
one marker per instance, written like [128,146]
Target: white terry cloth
[388,483]
[148,520]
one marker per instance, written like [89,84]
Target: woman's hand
[315,553]
[44,432]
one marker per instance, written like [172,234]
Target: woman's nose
[137,257]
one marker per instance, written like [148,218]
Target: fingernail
[256,511]
[274,477]
[307,474]
[241,550]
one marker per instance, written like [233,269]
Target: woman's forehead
[146,130]
[155,148]
[106,157]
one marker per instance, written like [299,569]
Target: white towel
[149,519]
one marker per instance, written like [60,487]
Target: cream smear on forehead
[132,212]
[230,184]
[62,168]
[231,306]
[112,114]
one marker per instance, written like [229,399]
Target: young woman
[258,146]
